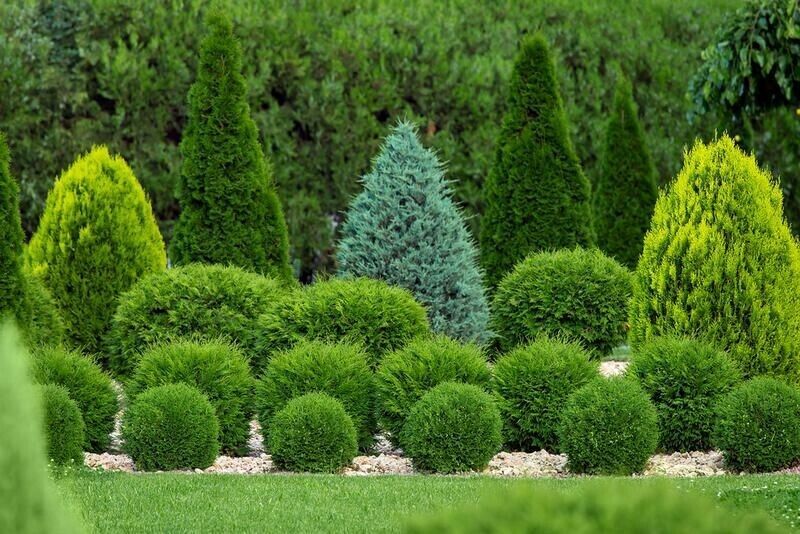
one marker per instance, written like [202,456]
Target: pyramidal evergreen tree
[230,212]
[536,195]
[626,189]
[404,228]
[12,282]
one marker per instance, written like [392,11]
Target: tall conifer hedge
[12,283]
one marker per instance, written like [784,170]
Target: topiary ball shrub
[339,370]
[608,427]
[579,294]
[405,375]
[87,384]
[44,325]
[63,426]
[452,428]
[685,379]
[171,427]
[758,426]
[313,433]
[209,301]
[532,384]
[217,369]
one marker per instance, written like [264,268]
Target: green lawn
[114,502]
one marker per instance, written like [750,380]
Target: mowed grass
[116,502]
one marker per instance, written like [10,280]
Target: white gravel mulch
[528,464]
[686,464]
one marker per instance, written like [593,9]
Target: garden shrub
[313,433]
[171,427]
[405,375]
[532,384]
[217,369]
[608,427]
[758,426]
[44,325]
[90,388]
[230,213]
[452,428]
[337,369]
[12,282]
[405,228]
[208,301]
[63,426]
[719,262]
[97,236]
[578,294]
[685,379]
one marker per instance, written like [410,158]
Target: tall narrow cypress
[12,283]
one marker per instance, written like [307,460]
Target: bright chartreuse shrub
[336,369]
[536,195]
[209,301]
[12,281]
[44,325]
[758,426]
[313,433]
[720,263]
[406,374]
[230,212]
[171,427]
[217,369]
[405,228]
[684,378]
[97,237]
[626,188]
[532,384]
[578,294]
[63,426]
[87,385]
[608,427]
[452,428]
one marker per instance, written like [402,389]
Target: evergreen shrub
[63,426]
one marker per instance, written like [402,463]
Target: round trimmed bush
[405,375]
[209,301]
[685,379]
[313,433]
[453,428]
[171,427]
[579,294]
[532,383]
[44,325]
[758,425]
[217,369]
[87,384]
[63,426]
[608,427]
[337,369]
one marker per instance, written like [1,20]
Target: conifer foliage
[230,212]
[12,283]
[537,197]
[404,228]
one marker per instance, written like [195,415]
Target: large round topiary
[452,428]
[44,325]
[210,301]
[217,369]
[608,427]
[532,384]
[719,262]
[405,375]
[87,385]
[758,425]
[63,426]
[313,433]
[578,294]
[96,238]
[171,427]
[684,379]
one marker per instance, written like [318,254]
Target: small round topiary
[339,370]
[217,369]
[63,425]
[404,376]
[532,383]
[684,379]
[454,427]
[313,433]
[171,427]
[579,294]
[608,427]
[758,425]
[88,386]
[44,325]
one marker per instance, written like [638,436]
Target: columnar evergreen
[12,283]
